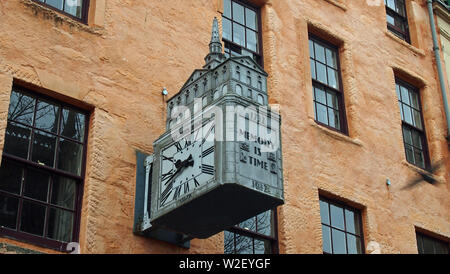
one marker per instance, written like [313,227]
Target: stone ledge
[335,135]
[60,18]
[12,249]
[439,179]
[337,4]
[409,46]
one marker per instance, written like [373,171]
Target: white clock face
[187,164]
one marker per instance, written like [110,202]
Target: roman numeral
[186,187]
[165,158]
[177,192]
[166,175]
[166,193]
[196,183]
[208,151]
[207,169]
[207,134]
[178,146]
[187,143]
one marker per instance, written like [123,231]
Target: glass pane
[264,223]
[73,7]
[10,177]
[320,53]
[397,90]
[333,118]
[352,222]
[47,116]
[311,49]
[390,19]
[21,108]
[313,68]
[390,4]
[262,247]
[43,148]
[238,13]
[32,218]
[252,40]
[17,139]
[227,8]
[417,118]
[55,3]
[64,192]
[419,243]
[401,110]
[228,242]
[249,224]
[8,211]
[405,95]
[70,155]
[419,159]
[244,245]
[326,239]
[337,216]
[332,100]
[354,244]
[417,140]
[36,185]
[400,7]
[331,58]
[60,225]
[409,153]
[322,115]
[415,100]
[239,34]
[407,114]
[73,124]
[339,244]
[321,73]
[250,17]
[333,78]
[226,29]
[324,213]
[428,246]
[407,136]
[441,248]
[320,95]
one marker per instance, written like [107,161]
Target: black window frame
[229,45]
[344,207]
[420,248]
[273,239]
[411,127]
[84,10]
[339,92]
[404,35]
[53,172]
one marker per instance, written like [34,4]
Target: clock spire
[215,55]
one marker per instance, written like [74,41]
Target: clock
[187,164]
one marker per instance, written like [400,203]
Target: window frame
[84,10]
[258,236]
[404,19]
[421,235]
[231,44]
[53,172]
[339,91]
[344,206]
[423,134]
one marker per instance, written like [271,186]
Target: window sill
[404,43]
[334,134]
[416,169]
[337,4]
[57,17]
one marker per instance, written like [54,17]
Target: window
[327,91]
[414,137]
[41,174]
[240,25]
[77,9]
[256,235]
[397,21]
[341,228]
[429,245]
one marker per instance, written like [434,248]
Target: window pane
[331,58]
[238,13]
[10,177]
[228,242]
[390,4]
[226,29]
[405,95]
[407,114]
[352,222]
[32,218]
[36,185]
[244,245]
[43,148]
[339,244]
[415,100]
[264,223]
[322,115]
[63,192]
[397,90]
[419,159]
[55,3]
[326,239]
[227,8]
[321,73]
[60,225]
[320,53]
[73,7]
[332,100]
[47,116]
[17,139]
[401,110]
[262,247]
[333,78]
[8,211]
[409,153]
[417,118]
[238,34]
[73,124]
[70,155]
[354,244]
[333,118]
[249,224]
[337,216]
[428,245]
[407,136]
[251,20]
[324,213]
[311,49]
[320,95]
[252,40]
[21,108]
[313,68]
[417,140]
[441,248]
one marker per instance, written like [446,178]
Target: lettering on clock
[207,151]
[207,169]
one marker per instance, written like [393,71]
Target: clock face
[187,164]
